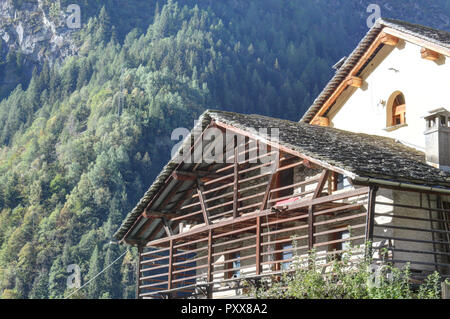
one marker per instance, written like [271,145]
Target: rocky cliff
[31,32]
[36,29]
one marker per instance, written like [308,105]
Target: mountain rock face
[31,32]
[36,30]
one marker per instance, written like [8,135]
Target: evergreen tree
[40,286]
[57,279]
[112,274]
[96,285]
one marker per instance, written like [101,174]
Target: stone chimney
[437,138]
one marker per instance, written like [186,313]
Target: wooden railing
[418,235]
[262,243]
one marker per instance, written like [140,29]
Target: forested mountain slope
[82,142]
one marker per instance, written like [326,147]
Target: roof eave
[387,26]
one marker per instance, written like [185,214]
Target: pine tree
[104,30]
[96,285]
[40,286]
[128,271]
[57,279]
[112,274]
[25,267]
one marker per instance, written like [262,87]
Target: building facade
[247,196]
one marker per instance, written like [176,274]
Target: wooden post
[310,235]
[433,237]
[370,219]
[258,245]
[202,199]
[236,179]
[321,183]
[270,182]
[429,54]
[138,272]
[169,276]
[210,265]
[310,228]
[445,290]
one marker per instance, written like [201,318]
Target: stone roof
[438,37]
[363,155]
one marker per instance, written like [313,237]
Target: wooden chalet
[357,168]
[205,226]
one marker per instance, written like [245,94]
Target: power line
[97,274]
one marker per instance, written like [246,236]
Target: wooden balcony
[260,210]
[209,258]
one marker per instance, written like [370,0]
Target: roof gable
[367,48]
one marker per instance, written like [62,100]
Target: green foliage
[95,266]
[346,278]
[10,294]
[57,279]
[40,286]
[431,289]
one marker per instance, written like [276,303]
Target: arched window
[396,110]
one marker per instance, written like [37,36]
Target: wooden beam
[268,212]
[152,214]
[155,214]
[428,54]
[173,191]
[161,190]
[270,182]
[418,41]
[321,121]
[285,167]
[201,196]
[388,39]
[138,272]
[193,176]
[285,149]
[258,245]
[362,61]
[354,81]
[370,219]
[210,262]
[184,176]
[161,216]
[310,228]
[321,183]
[307,163]
[236,180]
[156,196]
[186,196]
[145,227]
[445,288]
[169,279]
[321,200]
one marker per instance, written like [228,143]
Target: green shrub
[347,278]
